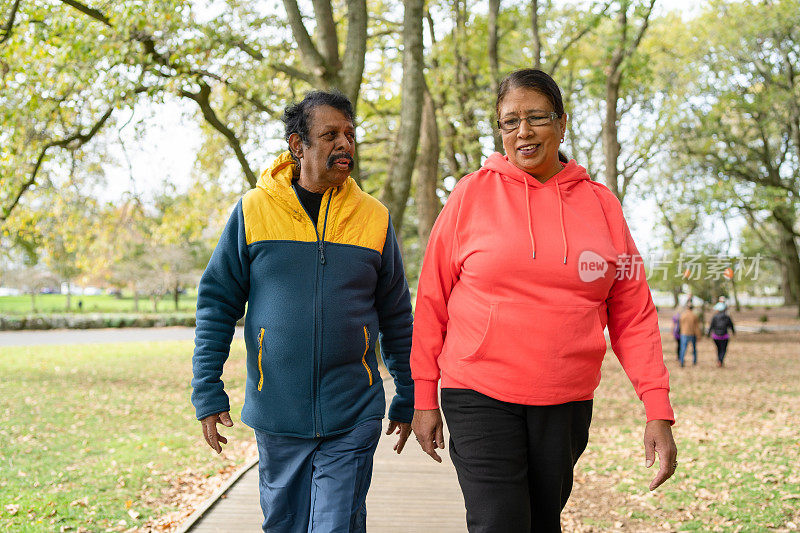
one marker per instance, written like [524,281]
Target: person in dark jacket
[718,331]
[317,263]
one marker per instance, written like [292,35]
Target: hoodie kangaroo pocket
[539,344]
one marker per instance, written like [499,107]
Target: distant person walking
[690,330]
[718,331]
[676,333]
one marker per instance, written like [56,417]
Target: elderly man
[317,262]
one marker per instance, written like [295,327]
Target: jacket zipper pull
[321,253]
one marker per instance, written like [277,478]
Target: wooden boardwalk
[410,493]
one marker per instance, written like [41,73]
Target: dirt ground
[738,436]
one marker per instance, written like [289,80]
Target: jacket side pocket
[260,350]
[364,357]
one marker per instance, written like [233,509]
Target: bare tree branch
[308,51]
[9,25]
[86,10]
[203,99]
[537,39]
[326,28]
[575,38]
[75,140]
[355,48]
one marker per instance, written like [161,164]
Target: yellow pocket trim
[260,348]
[364,357]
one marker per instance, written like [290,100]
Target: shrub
[94,321]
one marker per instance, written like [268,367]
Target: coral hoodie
[518,283]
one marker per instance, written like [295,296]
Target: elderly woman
[529,261]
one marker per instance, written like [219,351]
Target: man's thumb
[225,418]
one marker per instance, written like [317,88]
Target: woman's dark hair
[537,80]
[296,117]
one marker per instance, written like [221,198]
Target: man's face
[328,158]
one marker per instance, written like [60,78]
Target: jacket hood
[279,171]
[571,174]
[276,181]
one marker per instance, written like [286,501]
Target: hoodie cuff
[657,406]
[426,394]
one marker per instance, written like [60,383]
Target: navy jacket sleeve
[221,300]
[393,303]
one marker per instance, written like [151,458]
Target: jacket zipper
[364,357]
[260,368]
[318,429]
[317,311]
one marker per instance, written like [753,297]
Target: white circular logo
[591,266]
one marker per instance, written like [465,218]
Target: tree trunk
[69,296]
[611,147]
[676,294]
[624,49]
[791,270]
[494,70]
[735,294]
[398,182]
[465,88]
[176,295]
[537,40]
[33,300]
[790,255]
[135,298]
[428,204]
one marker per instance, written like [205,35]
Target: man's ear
[296,145]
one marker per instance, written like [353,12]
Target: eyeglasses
[507,125]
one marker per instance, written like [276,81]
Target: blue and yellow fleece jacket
[317,299]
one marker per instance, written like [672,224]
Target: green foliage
[705,101]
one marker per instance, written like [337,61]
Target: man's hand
[429,430]
[401,428]
[658,439]
[209,425]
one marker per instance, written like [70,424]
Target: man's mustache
[342,155]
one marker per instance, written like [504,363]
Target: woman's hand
[658,439]
[427,427]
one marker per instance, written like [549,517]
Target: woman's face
[533,149]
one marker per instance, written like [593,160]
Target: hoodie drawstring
[530,222]
[561,214]
[528,209]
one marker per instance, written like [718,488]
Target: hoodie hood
[571,174]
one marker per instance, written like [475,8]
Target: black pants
[514,462]
[722,348]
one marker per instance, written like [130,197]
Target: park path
[92,336]
[180,333]
[410,493]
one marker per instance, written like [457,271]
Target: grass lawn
[103,436]
[102,303]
